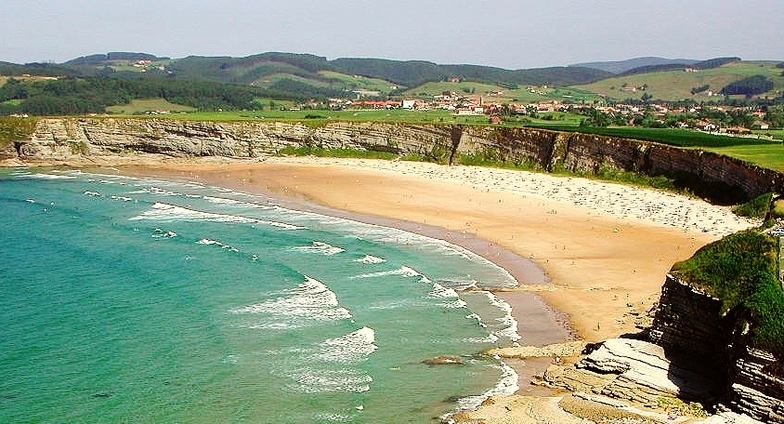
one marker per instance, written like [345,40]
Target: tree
[13,130]
[750,86]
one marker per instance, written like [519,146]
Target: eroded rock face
[716,177]
[633,370]
[689,324]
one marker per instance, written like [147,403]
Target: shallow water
[141,300]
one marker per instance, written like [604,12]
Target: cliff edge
[720,179]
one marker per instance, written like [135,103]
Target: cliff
[718,178]
[689,327]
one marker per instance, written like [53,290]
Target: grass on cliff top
[336,153]
[757,207]
[770,156]
[742,270]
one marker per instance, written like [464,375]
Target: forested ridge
[92,83]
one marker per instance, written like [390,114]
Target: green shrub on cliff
[16,129]
[335,153]
[742,270]
[757,207]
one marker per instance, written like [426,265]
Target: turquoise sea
[133,300]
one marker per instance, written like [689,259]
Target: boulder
[443,360]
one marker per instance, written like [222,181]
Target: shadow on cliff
[715,192]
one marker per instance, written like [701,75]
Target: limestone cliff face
[716,177]
[688,325]
[62,138]
[720,178]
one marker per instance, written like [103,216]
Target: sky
[509,34]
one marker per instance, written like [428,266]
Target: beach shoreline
[538,322]
[586,243]
[586,262]
[589,252]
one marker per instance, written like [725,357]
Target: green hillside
[504,95]
[257,68]
[699,85]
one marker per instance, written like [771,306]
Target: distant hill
[268,69]
[98,59]
[98,81]
[38,69]
[700,66]
[707,80]
[621,66]
[413,73]
[298,76]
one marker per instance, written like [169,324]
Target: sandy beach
[601,250]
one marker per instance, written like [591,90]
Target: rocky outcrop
[632,370]
[754,391]
[689,325]
[443,360]
[693,351]
[719,178]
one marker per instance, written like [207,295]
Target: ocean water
[146,301]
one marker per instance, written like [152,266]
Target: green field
[769,156]
[332,81]
[358,82]
[138,106]
[517,95]
[677,84]
[317,117]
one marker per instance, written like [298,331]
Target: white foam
[451,298]
[403,271]
[162,191]
[454,304]
[507,385]
[159,233]
[477,318]
[506,325]
[440,291]
[165,212]
[91,193]
[209,242]
[312,300]
[388,235]
[370,260]
[352,347]
[490,338]
[321,247]
[320,374]
[50,176]
[123,198]
[459,285]
[319,380]
[282,225]
[332,416]
[221,200]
